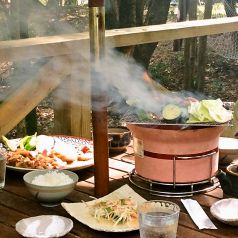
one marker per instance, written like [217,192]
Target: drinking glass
[158,219]
[2,171]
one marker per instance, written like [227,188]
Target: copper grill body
[170,155]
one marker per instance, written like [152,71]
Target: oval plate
[44,226]
[75,141]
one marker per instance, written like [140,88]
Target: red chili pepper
[85,149]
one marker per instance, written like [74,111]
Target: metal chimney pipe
[99,97]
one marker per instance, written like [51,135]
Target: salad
[120,211]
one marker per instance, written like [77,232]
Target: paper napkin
[197,214]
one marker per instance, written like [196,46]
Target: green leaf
[31,144]
[28,142]
[24,141]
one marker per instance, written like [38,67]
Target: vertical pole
[99,97]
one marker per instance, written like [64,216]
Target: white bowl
[226,211]
[49,195]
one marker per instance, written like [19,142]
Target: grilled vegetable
[11,146]
[142,115]
[171,112]
[28,142]
[208,111]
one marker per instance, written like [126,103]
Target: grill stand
[171,189]
[192,157]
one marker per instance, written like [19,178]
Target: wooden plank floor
[16,203]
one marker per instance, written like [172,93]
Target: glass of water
[2,171]
[158,219]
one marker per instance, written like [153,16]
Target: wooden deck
[16,203]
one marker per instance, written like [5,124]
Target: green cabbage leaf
[208,111]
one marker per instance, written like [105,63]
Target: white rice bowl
[50,186]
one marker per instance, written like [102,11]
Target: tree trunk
[111,14]
[127,18]
[14,19]
[183,7]
[123,13]
[202,50]
[190,52]
[140,5]
[116,11]
[157,14]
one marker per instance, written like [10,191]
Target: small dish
[44,226]
[226,211]
[120,139]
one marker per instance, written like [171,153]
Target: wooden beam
[28,96]
[79,42]
[47,46]
[170,31]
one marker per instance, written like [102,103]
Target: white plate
[77,165]
[226,211]
[44,226]
[80,211]
[228,145]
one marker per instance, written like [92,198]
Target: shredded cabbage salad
[118,211]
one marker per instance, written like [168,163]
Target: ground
[221,79]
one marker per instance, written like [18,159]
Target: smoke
[117,82]
[121,78]
[125,76]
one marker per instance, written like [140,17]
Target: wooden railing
[74,43]
[64,49]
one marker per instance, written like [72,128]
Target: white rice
[52,178]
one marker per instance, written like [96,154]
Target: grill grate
[130,117]
[160,123]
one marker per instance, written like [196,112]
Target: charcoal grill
[175,159]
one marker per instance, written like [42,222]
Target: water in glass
[158,219]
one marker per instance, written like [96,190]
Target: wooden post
[99,98]
[81,98]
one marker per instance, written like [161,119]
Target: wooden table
[16,203]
